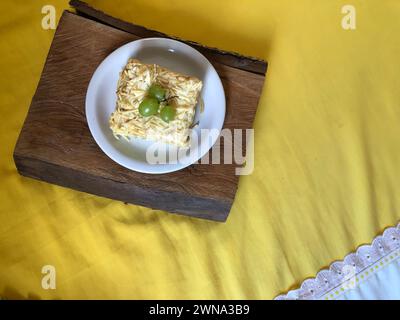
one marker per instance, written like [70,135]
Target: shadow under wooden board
[55,144]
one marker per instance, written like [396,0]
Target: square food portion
[181,92]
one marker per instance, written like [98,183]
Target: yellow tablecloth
[327,159]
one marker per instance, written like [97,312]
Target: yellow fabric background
[327,155]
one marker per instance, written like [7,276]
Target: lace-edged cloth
[364,257]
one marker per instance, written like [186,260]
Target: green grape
[168,113]
[156,91]
[148,107]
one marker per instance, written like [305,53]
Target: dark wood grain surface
[232,59]
[55,144]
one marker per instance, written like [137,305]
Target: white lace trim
[364,257]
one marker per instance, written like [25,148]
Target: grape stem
[169,98]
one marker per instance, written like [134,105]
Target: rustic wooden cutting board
[55,144]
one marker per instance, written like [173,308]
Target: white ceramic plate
[174,55]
